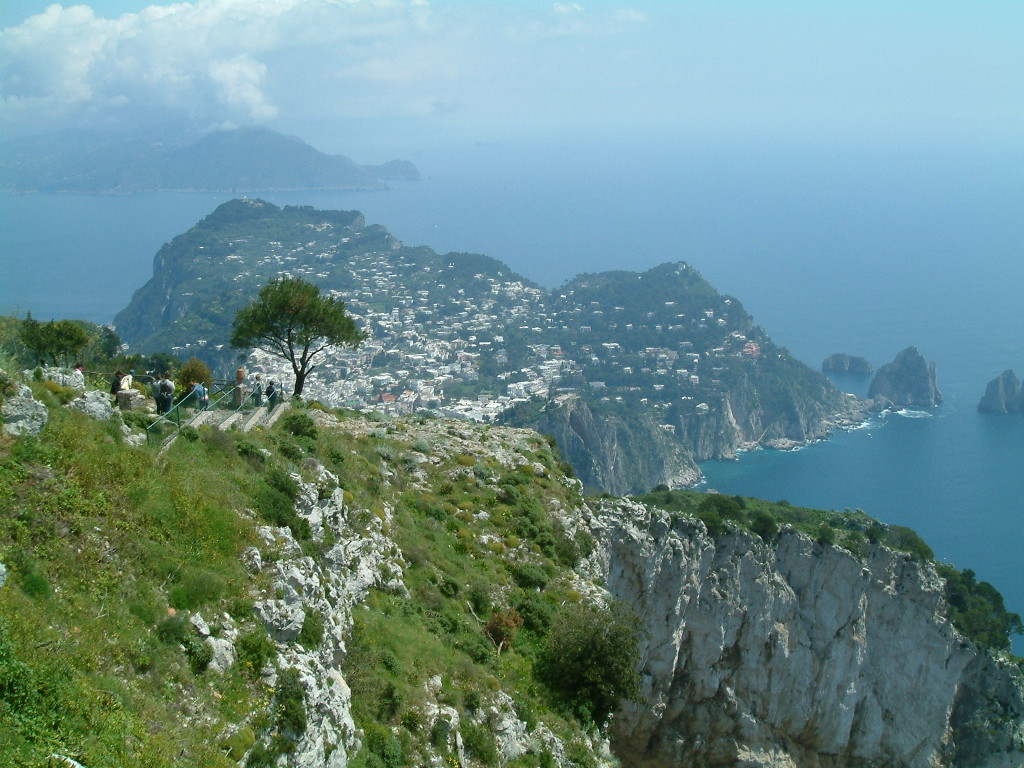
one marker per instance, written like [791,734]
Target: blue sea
[832,249]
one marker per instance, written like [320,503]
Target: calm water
[864,252]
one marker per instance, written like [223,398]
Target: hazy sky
[377,76]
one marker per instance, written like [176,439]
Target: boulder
[131,400]
[907,381]
[72,379]
[23,414]
[95,405]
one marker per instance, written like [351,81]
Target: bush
[255,650]
[194,370]
[764,525]
[312,632]
[906,540]
[299,425]
[590,659]
[291,703]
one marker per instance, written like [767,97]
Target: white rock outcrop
[23,414]
[797,655]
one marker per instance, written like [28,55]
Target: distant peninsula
[1003,395]
[843,363]
[242,159]
[909,380]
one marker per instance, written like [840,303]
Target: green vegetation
[590,659]
[291,320]
[977,609]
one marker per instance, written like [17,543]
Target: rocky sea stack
[843,363]
[909,380]
[1003,395]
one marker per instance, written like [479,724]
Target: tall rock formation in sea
[792,653]
[908,380]
[840,362]
[1003,395]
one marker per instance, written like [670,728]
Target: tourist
[272,393]
[115,383]
[202,398]
[257,391]
[126,380]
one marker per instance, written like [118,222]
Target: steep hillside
[353,590]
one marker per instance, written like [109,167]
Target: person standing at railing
[164,394]
[272,393]
[257,390]
[201,395]
[115,383]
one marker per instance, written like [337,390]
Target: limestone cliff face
[612,454]
[907,381]
[1003,395]
[795,654]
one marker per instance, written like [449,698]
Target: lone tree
[291,320]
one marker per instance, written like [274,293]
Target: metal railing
[223,401]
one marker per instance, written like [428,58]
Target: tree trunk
[300,380]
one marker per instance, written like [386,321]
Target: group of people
[164,389]
[272,391]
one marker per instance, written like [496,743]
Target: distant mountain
[245,159]
[637,375]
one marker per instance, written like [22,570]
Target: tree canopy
[290,319]
[58,340]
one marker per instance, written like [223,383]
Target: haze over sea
[814,241]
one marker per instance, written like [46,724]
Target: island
[637,375]
[908,381]
[1003,395]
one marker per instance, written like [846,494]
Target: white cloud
[497,68]
[238,85]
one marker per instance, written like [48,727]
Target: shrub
[291,703]
[254,650]
[479,741]
[826,535]
[764,525]
[299,424]
[190,433]
[199,653]
[194,370]
[590,659]
[421,446]
[906,540]
[312,632]
[529,575]
[501,628]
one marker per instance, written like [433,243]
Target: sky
[378,76]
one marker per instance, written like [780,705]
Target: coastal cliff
[907,381]
[1003,395]
[793,653]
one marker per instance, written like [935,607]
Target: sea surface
[831,249]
